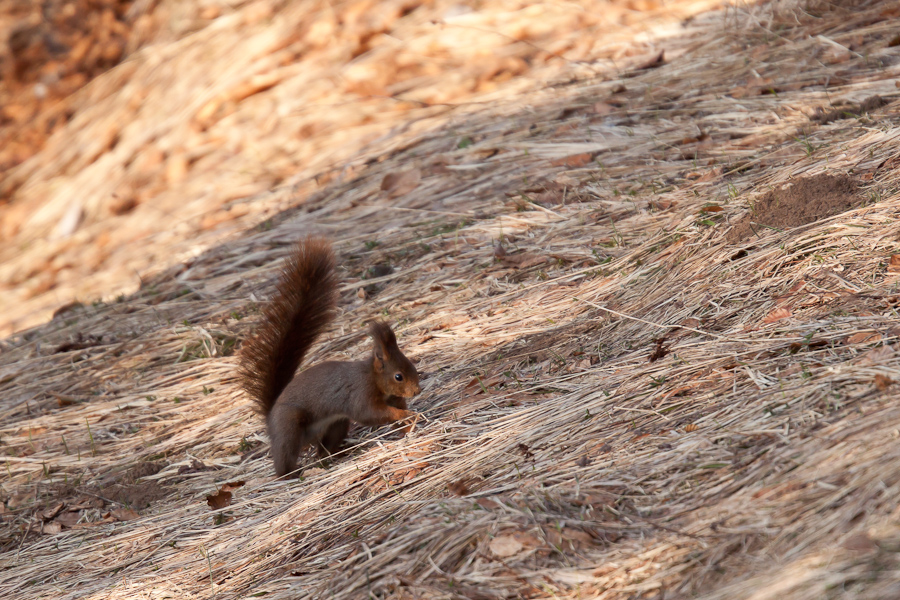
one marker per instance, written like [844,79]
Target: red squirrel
[315,406]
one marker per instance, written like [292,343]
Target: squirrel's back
[299,312]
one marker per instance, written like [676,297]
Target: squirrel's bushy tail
[302,307]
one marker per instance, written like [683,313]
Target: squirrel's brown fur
[317,405]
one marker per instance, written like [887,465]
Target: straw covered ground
[655,302]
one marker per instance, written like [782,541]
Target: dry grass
[757,458]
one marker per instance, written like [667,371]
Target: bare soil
[804,201]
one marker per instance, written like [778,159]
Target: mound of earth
[804,201]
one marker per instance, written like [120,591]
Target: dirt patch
[133,493]
[145,469]
[804,201]
[849,111]
[137,496]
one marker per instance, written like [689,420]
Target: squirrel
[315,406]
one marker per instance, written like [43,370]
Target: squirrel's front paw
[411,416]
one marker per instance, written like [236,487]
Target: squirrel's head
[394,373]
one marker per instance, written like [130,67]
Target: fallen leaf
[458,488]
[52,527]
[863,337]
[19,500]
[49,513]
[525,451]
[883,382]
[859,542]
[68,519]
[894,266]
[567,537]
[523,260]
[595,499]
[692,140]
[220,499]
[574,161]
[123,514]
[660,350]
[691,427]
[487,503]
[504,546]
[777,315]
[231,486]
[713,208]
[878,355]
[399,183]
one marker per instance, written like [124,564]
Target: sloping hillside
[646,256]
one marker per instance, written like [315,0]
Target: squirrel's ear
[382,334]
[379,349]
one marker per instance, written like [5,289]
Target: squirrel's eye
[398,377]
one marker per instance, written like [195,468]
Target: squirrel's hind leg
[287,433]
[333,438]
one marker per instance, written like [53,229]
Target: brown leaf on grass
[18,500]
[691,427]
[123,514]
[402,182]
[505,546]
[574,161]
[660,350]
[487,503]
[458,488]
[894,266]
[523,260]
[220,499]
[51,527]
[231,486]
[863,337]
[86,502]
[567,538]
[883,382]
[878,355]
[662,204]
[481,385]
[596,499]
[713,208]
[69,519]
[860,542]
[691,322]
[48,513]
[777,315]
[692,140]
